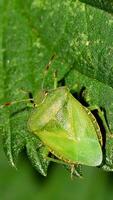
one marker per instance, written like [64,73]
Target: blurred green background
[26,183]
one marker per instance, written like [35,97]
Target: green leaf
[30,33]
[106,5]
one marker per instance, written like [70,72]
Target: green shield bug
[67,128]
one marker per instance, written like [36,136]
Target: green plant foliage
[106,5]
[30,33]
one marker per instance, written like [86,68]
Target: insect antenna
[47,68]
[15,102]
[30,99]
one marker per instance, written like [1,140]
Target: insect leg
[73,167]
[56,160]
[74,172]
[55,80]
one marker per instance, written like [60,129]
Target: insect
[67,128]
